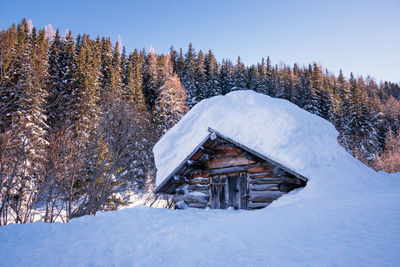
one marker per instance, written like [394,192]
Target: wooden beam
[264,196]
[228,151]
[252,205]
[199,180]
[231,169]
[261,174]
[194,187]
[262,169]
[193,164]
[180,179]
[207,150]
[197,205]
[263,187]
[274,180]
[217,163]
[177,198]
[203,199]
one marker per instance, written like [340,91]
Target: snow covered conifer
[189,77]
[226,77]
[134,89]
[240,75]
[150,79]
[170,104]
[213,87]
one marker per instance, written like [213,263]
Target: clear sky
[358,36]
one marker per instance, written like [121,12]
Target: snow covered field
[347,215]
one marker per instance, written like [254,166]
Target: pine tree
[240,76]
[107,79]
[116,73]
[89,68]
[261,83]
[170,105]
[389,160]
[28,129]
[269,83]
[62,71]
[135,82]
[180,65]
[226,79]
[150,80]
[200,77]
[213,87]
[252,78]
[189,77]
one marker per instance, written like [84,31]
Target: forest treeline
[79,117]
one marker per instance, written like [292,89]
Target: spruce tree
[200,77]
[189,77]
[227,77]
[240,76]
[135,82]
[213,87]
[150,80]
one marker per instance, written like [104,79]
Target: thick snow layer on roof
[276,128]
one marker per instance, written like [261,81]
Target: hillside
[348,214]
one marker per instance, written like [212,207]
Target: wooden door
[229,191]
[217,194]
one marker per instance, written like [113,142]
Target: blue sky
[358,36]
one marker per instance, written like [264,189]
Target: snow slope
[347,215]
[274,127]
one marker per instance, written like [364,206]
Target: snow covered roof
[274,128]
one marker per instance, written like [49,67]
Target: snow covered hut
[237,150]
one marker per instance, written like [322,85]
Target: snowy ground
[360,231]
[347,215]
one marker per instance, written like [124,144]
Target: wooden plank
[261,169]
[196,199]
[197,205]
[217,196]
[258,205]
[178,179]
[273,180]
[177,198]
[233,191]
[231,169]
[244,191]
[217,163]
[207,150]
[264,196]
[263,187]
[223,145]
[193,164]
[194,187]
[199,180]
[261,175]
[205,192]
[228,151]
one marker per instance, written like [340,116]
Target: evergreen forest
[79,115]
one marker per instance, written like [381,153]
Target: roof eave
[159,188]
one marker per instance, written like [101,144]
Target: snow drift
[347,214]
[276,128]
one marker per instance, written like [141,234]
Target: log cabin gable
[219,155]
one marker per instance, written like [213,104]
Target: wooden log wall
[265,182]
